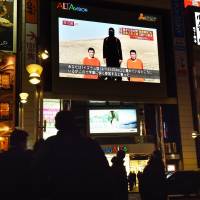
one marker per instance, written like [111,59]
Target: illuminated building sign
[4,111]
[147,18]
[70,7]
[196,28]
[4,80]
[192,3]
[114,149]
[50,109]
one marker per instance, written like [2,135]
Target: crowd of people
[72,166]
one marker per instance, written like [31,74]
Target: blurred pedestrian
[119,175]
[152,181]
[131,180]
[15,167]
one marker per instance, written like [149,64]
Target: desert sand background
[73,52]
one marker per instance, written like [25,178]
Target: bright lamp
[43,54]
[35,72]
[195,134]
[23,97]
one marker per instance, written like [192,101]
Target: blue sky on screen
[86,30]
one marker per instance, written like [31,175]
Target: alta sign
[70,7]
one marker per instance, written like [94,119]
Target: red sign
[68,23]
[137,34]
[191,3]
[31,11]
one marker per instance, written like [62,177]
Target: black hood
[111,32]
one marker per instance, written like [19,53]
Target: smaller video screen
[110,121]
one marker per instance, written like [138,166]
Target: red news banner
[137,34]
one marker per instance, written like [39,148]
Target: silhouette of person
[139,176]
[119,175]
[38,144]
[153,178]
[91,61]
[132,180]
[70,165]
[112,52]
[15,167]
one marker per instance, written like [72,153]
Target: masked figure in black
[112,52]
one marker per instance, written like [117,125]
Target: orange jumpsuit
[135,64]
[91,62]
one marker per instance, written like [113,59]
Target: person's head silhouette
[18,139]
[65,122]
[121,154]
[157,154]
[111,32]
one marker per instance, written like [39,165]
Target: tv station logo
[147,18]
[70,7]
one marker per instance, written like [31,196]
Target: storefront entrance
[130,164]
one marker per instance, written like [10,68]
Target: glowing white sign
[50,108]
[196,29]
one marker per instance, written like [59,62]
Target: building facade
[164,121]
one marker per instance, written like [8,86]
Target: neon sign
[114,149]
[70,7]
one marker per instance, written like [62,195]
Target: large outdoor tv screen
[86,51]
[112,121]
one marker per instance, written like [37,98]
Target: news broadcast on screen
[86,50]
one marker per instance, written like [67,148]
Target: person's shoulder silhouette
[69,162]
[119,176]
[15,165]
[153,178]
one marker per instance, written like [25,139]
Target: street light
[44,54]
[195,134]
[35,72]
[23,97]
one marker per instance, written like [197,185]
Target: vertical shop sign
[31,11]
[179,37]
[31,31]
[31,43]
[197,28]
